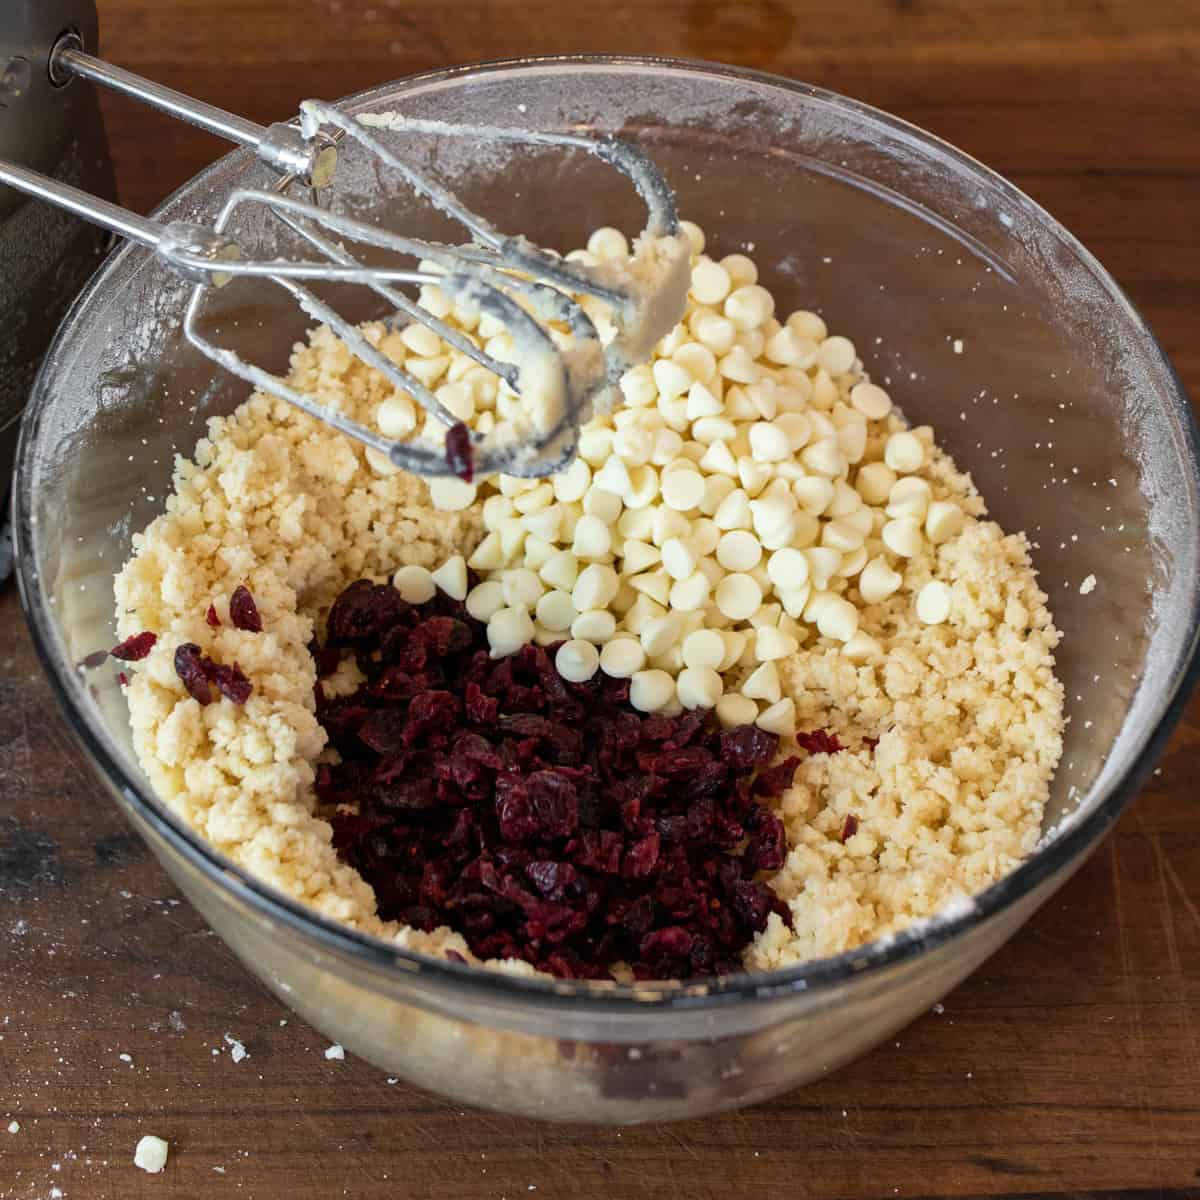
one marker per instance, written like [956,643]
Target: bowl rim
[1067,849]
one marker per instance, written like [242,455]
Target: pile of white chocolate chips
[754,530]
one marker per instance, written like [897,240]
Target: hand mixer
[561,368]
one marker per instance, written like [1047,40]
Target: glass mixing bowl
[985,318]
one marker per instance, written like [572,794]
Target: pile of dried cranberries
[543,820]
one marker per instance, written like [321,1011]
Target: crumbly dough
[968,712]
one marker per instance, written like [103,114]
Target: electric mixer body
[46,254]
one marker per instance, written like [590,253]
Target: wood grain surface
[1068,1066]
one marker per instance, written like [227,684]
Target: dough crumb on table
[930,659]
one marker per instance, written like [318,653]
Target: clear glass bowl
[988,320]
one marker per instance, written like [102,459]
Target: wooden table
[1070,1065]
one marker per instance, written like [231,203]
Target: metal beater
[562,366]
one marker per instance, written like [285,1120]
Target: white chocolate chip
[451,577]
[769,443]
[669,524]
[837,355]
[683,490]
[788,569]
[738,596]
[739,550]
[852,563]
[593,538]
[705,536]
[772,643]
[878,581]
[698,687]
[571,485]
[660,635]
[734,511]
[607,243]
[534,499]
[789,349]
[843,536]
[909,497]
[904,452]
[710,282]
[944,520]
[825,458]
[796,427]
[150,1154]
[485,600]
[735,646]
[934,602]
[599,502]
[795,600]
[872,401]
[690,593]
[702,403]
[560,570]
[546,524]
[651,691]
[734,709]
[763,684]
[704,648]
[522,588]
[874,482]
[838,619]
[813,493]
[822,562]
[636,523]
[577,661]
[637,556]
[396,417]
[779,718]
[596,625]
[679,558]
[862,648]
[672,379]
[596,586]
[622,657]
[654,584]
[903,537]
[415,584]
[508,630]
[749,306]
[555,611]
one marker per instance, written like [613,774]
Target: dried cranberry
[122,679]
[541,819]
[748,746]
[775,780]
[820,741]
[460,452]
[211,617]
[189,666]
[767,845]
[849,827]
[132,649]
[199,675]
[552,879]
[363,611]
[230,681]
[243,612]
[97,658]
